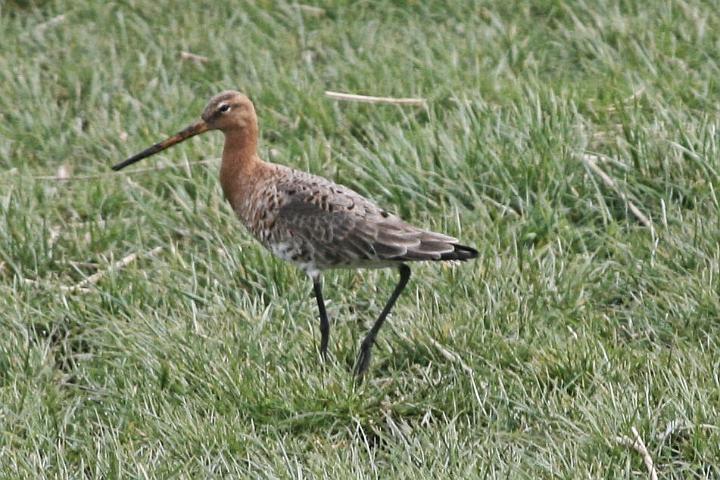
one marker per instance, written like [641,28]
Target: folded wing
[336,227]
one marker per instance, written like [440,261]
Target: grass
[576,323]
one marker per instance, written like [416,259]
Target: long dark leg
[366,346]
[324,323]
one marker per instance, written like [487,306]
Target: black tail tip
[461,252]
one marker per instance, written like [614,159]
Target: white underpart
[287,250]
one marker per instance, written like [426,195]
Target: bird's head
[228,111]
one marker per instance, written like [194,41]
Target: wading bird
[309,220]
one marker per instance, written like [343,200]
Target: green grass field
[575,144]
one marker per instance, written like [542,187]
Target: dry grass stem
[96,277]
[638,445]
[59,178]
[351,97]
[311,10]
[63,288]
[82,286]
[451,356]
[591,162]
[199,59]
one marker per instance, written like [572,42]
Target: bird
[309,220]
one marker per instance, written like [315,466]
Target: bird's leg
[324,323]
[363,360]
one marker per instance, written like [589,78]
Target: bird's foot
[363,361]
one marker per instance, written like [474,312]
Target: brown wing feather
[334,226]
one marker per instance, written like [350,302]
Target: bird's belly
[296,253]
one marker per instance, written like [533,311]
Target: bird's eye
[224,108]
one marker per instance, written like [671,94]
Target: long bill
[194,129]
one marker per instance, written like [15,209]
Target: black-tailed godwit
[309,220]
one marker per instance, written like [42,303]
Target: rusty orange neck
[240,164]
